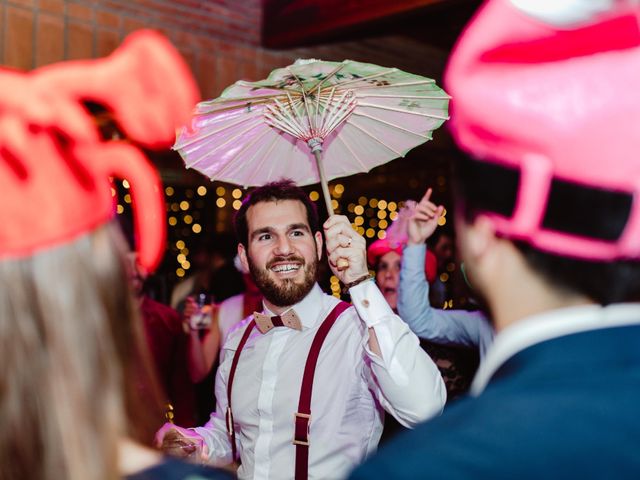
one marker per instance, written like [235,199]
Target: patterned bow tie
[265,322]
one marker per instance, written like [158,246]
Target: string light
[202,190]
[196,228]
[220,191]
[237,193]
[373,203]
[125,184]
[188,219]
[358,210]
[237,204]
[314,196]
[169,191]
[184,205]
[173,221]
[382,204]
[221,202]
[120,209]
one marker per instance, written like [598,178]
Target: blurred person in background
[445,327]
[69,328]
[388,256]
[214,272]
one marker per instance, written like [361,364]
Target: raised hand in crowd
[423,220]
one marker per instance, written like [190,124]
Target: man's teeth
[285,268]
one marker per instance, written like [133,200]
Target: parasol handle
[343,263]
[317,153]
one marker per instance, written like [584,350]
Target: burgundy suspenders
[302,417]
[229,414]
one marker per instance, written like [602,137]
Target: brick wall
[219,39]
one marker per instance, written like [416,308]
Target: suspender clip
[302,422]
[229,418]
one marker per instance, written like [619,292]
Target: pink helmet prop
[55,170]
[381,247]
[395,241]
[553,90]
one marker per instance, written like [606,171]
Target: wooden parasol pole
[316,148]
[323,181]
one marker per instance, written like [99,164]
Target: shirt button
[365,303]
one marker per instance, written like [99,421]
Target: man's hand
[343,242]
[424,220]
[181,442]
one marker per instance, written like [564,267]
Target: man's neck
[280,310]
[275,309]
[517,292]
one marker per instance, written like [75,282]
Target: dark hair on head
[284,189]
[571,208]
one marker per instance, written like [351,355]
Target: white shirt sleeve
[447,327]
[214,432]
[405,380]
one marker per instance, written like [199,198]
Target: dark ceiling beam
[292,23]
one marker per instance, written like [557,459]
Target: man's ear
[319,244]
[242,255]
[480,237]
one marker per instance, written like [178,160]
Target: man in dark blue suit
[546,107]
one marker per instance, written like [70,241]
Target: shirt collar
[308,309]
[546,326]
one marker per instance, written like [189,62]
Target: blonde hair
[67,330]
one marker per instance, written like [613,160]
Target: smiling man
[302,385]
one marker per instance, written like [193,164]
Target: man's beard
[288,291]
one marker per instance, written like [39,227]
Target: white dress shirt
[350,385]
